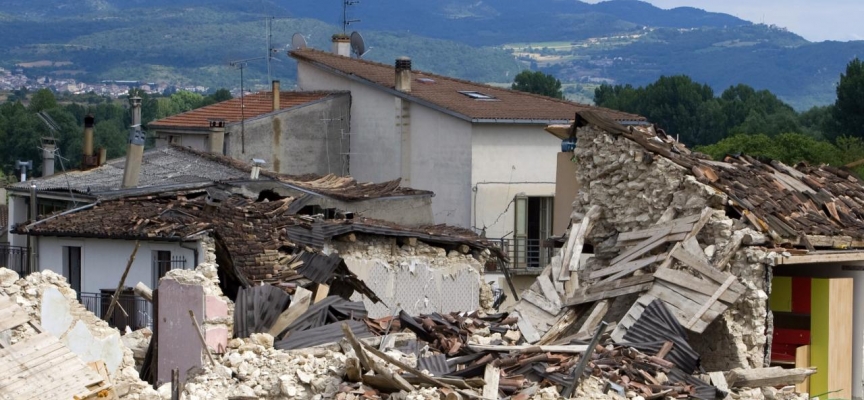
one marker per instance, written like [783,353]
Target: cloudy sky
[812,19]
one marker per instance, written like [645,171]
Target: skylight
[426,80]
[477,95]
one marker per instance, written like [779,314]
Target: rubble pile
[48,298]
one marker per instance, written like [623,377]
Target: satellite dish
[298,41]
[358,45]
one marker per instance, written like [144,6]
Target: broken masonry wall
[414,277]
[636,189]
[50,301]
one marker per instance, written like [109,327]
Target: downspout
[194,253]
[32,241]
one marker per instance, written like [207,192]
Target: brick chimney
[403,74]
[276,93]
[341,45]
[216,137]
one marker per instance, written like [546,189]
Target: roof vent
[403,74]
[477,95]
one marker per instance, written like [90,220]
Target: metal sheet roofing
[656,326]
[254,105]
[457,96]
[257,308]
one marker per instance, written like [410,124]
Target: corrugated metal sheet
[702,390]
[656,326]
[257,309]
[330,333]
[436,365]
[318,267]
[409,322]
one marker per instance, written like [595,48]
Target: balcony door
[72,266]
[532,227]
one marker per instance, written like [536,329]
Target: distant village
[17,79]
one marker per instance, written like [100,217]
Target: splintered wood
[42,367]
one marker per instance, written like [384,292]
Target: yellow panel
[819,335]
[840,318]
[781,294]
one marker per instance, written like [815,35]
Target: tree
[42,100]
[538,83]
[849,106]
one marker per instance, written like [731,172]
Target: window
[478,95]
[161,265]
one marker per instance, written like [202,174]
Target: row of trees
[21,128]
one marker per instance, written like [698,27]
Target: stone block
[214,308]
[216,337]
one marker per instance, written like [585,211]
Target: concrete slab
[179,345]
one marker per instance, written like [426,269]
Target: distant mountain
[619,41]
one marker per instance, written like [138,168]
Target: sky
[812,19]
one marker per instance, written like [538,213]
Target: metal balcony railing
[15,258]
[131,310]
[523,253]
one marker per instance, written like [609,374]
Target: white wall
[17,214]
[508,160]
[374,140]
[103,260]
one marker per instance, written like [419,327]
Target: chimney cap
[403,63]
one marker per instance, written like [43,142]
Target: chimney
[103,156]
[135,102]
[256,168]
[88,161]
[216,138]
[403,74]
[276,105]
[49,145]
[341,45]
[134,154]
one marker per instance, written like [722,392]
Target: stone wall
[418,278]
[637,189]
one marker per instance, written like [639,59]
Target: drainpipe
[33,241]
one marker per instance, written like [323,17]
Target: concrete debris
[138,341]
[48,298]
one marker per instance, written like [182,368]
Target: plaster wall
[17,214]
[309,139]
[375,140]
[509,160]
[103,260]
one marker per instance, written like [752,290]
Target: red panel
[796,337]
[783,352]
[801,295]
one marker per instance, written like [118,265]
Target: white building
[482,150]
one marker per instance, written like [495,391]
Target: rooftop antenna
[298,42]
[358,45]
[241,65]
[345,20]
[271,52]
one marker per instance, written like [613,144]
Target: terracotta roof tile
[444,92]
[255,105]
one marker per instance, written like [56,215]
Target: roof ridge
[300,52]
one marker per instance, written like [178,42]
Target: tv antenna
[271,52]
[358,45]
[241,65]
[345,20]
[298,42]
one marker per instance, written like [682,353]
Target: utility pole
[241,65]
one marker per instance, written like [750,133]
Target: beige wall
[566,188]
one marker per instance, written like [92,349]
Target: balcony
[131,310]
[527,256]
[15,258]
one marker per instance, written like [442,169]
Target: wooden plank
[560,326]
[299,305]
[680,225]
[554,269]
[541,302]
[567,349]
[491,375]
[685,307]
[632,315]
[691,245]
[706,270]
[584,228]
[802,360]
[321,292]
[594,318]
[641,248]
[685,280]
[729,251]
[821,258]
[35,343]
[526,328]
[841,306]
[633,280]
[711,301]
[405,367]
[11,315]
[547,289]
[628,266]
[774,376]
[576,300]
[719,380]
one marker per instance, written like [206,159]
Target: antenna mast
[345,20]
[241,64]
[269,26]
